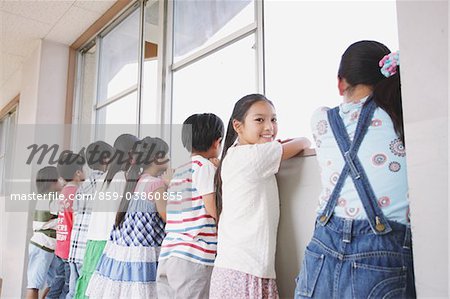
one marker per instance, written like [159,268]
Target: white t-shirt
[104,211]
[248,224]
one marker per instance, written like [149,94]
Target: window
[216,82]
[7,133]
[118,75]
[212,53]
[304,41]
[215,56]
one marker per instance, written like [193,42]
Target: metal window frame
[166,66]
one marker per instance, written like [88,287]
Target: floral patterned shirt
[382,155]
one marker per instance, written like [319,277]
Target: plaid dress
[127,267]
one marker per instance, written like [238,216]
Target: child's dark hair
[68,164]
[145,152]
[200,131]
[45,177]
[96,154]
[360,65]
[121,160]
[239,113]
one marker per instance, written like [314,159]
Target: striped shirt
[82,208]
[44,225]
[191,232]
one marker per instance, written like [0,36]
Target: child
[98,155]
[189,248]
[362,240]
[42,244]
[104,211]
[70,167]
[247,191]
[127,268]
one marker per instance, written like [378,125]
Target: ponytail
[387,95]
[230,138]
[360,64]
[132,179]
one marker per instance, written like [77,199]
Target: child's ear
[217,143]
[237,125]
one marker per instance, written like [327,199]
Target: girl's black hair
[145,152]
[360,65]
[239,113]
[121,159]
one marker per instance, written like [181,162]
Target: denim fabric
[345,259]
[349,258]
[60,285]
[39,264]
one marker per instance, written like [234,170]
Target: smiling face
[259,126]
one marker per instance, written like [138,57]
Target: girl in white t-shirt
[247,197]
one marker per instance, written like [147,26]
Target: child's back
[132,249]
[191,231]
[189,249]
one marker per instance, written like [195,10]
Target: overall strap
[354,168]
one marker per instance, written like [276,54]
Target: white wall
[42,101]
[423,36]
[299,188]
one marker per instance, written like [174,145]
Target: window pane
[150,104]
[86,97]
[199,23]
[119,58]
[216,82]
[123,111]
[304,41]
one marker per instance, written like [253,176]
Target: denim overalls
[349,258]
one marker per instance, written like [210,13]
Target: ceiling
[24,23]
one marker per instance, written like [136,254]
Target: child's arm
[210,205]
[292,147]
[158,197]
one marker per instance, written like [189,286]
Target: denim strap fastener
[353,167]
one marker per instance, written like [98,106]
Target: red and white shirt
[191,231]
[65,221]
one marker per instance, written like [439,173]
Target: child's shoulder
[321,111]
[319,115]
[201,162]
[249,153]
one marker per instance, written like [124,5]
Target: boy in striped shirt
[41,258]
[189,248]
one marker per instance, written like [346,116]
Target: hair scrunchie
[389,64]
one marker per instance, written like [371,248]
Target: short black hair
[68,164]
[97,152]
[200,131]
[45,178]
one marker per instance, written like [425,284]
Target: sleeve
[203,178]
[267,158]
[53,206]
[319,125]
